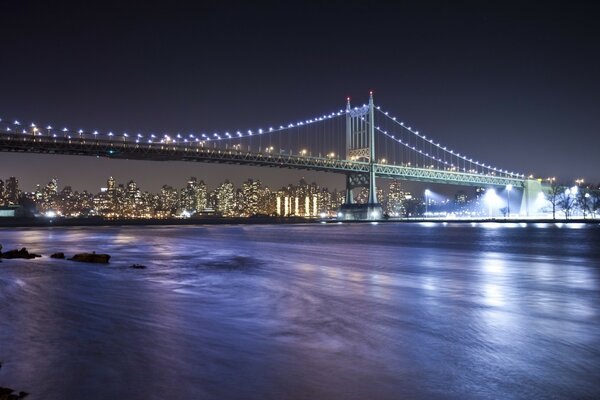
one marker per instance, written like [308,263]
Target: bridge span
[349,142]
[195,153]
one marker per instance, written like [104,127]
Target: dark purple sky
[515,85]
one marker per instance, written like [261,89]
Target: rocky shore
[23,253]
[9,394]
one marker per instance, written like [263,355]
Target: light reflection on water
[331,311]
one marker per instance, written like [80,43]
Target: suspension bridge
[362,142]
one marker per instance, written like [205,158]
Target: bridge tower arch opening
[360,146]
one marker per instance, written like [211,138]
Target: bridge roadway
[191,152]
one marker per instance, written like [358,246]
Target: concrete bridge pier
[360,145]
[531,193]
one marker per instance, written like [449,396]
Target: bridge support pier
[360,212]
[360,145]
[349,194]
[371,210]
[531,192]
[351,211]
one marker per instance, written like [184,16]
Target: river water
[335,311]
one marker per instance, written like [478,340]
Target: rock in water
[138,266]
[7,394]
[23,253]
[91,258]
[58,255]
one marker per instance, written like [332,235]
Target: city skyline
[302,199]
[252,197]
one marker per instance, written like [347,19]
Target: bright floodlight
[490,196]
[427,192]
[509,187]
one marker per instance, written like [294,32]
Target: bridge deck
[170,152]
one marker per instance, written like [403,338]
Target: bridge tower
[360,146]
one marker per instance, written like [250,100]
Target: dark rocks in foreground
[23,253]
[9,394]
[91,258]
[138,266]
[81,257]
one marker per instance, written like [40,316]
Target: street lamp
[509,187]
[427,193]
[585,199]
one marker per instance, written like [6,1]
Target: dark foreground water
[389,311]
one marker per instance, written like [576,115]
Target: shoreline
[82,222]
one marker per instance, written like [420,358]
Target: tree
[566,201]
[583,200]
[594,201]
[413,207]
[553,194]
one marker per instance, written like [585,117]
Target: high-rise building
[251,197]
[167,199]
[324,201]
[395,198]
[225,199]
[12,192]
[193,198]
[189,196]
[201,196]
[111,187]
[50,196]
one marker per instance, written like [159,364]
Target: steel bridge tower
[360,146]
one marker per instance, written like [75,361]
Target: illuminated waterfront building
[12,192]
[225,199]
[251,197]
[394,206]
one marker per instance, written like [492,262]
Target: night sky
[517,86]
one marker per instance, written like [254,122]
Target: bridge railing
[197,152]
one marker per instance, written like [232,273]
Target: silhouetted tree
[566,201]
[594,201]
[413,207]
[553,194]
[583,200]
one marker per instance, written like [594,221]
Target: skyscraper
[396,196]
[225,199]
[251,197]
[12,192]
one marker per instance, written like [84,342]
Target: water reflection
[430,310]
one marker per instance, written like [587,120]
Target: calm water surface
[389,311]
